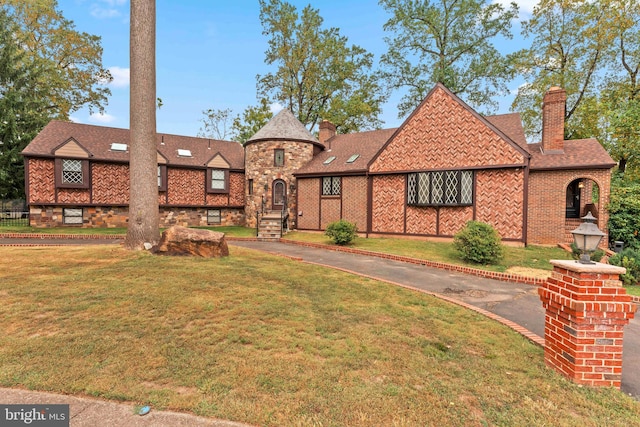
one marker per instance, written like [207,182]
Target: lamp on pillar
[587,237]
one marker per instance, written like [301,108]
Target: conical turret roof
[284,126]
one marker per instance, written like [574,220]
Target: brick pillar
[586,311]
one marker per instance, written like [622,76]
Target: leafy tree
[447,41]
[252,120]
[216,124]
[70,62]
[143,165]
[569,43]
[624,213]
[22,109]
[318,75]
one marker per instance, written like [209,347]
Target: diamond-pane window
[217,179]
[423,188]
[451,187]
[466,187]
[437,188]
[412,190]
[72,171]
[331,186]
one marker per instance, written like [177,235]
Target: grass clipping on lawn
[270,341]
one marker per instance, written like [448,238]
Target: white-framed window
[72,172]
[440,188]
[214,216]
[72,216]
[331,186]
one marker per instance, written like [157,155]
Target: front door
[279,195]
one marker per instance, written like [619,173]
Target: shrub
[624,213]
[479,243]
[596,256]
[630,259]
[341,232]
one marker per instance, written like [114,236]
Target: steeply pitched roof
[284,126]
[578,154]
[511,125]
[97,140]
[365,144]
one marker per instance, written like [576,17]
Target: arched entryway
[582,196]
[278,194]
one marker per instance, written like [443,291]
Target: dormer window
[217,181]
[72,173]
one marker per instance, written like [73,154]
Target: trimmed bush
[341,232]
[630,259]
[479,243]
[596,256]
[624,213]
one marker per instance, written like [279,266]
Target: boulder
[179,240]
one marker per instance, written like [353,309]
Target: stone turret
[272,155]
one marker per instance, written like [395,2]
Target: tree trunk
[143,165]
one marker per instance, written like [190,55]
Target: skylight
[116,146]
[184,153]
[353,158]
[329,160]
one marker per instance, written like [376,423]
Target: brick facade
[547,222]
[443,134]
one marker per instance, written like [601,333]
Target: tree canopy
[22,109]
[450,42]
[72,75]
[318,74]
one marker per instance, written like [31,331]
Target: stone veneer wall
[114,217]
[259,166]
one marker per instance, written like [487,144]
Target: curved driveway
[518,303]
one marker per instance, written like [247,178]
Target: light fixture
[581,184]
[587,237]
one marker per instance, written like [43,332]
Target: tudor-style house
[445,165]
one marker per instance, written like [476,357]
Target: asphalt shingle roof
[98,139]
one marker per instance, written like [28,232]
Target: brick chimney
[327,130]
[553,109]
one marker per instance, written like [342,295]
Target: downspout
[369,202]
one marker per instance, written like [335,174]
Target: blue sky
[209,53]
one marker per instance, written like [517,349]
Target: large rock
[179,240]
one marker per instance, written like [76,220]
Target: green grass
[273,342]
[528,257]
[633,290]
[231,231]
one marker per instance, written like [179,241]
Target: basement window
[214,217]
[72,216]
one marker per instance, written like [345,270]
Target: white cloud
[101,118]
[275,108]
[105,9]
[120,76]
[75,119]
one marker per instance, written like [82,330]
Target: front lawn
[270,341]
[536,257]
[231,231]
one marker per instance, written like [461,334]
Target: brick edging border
[505,277]
[43,236]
